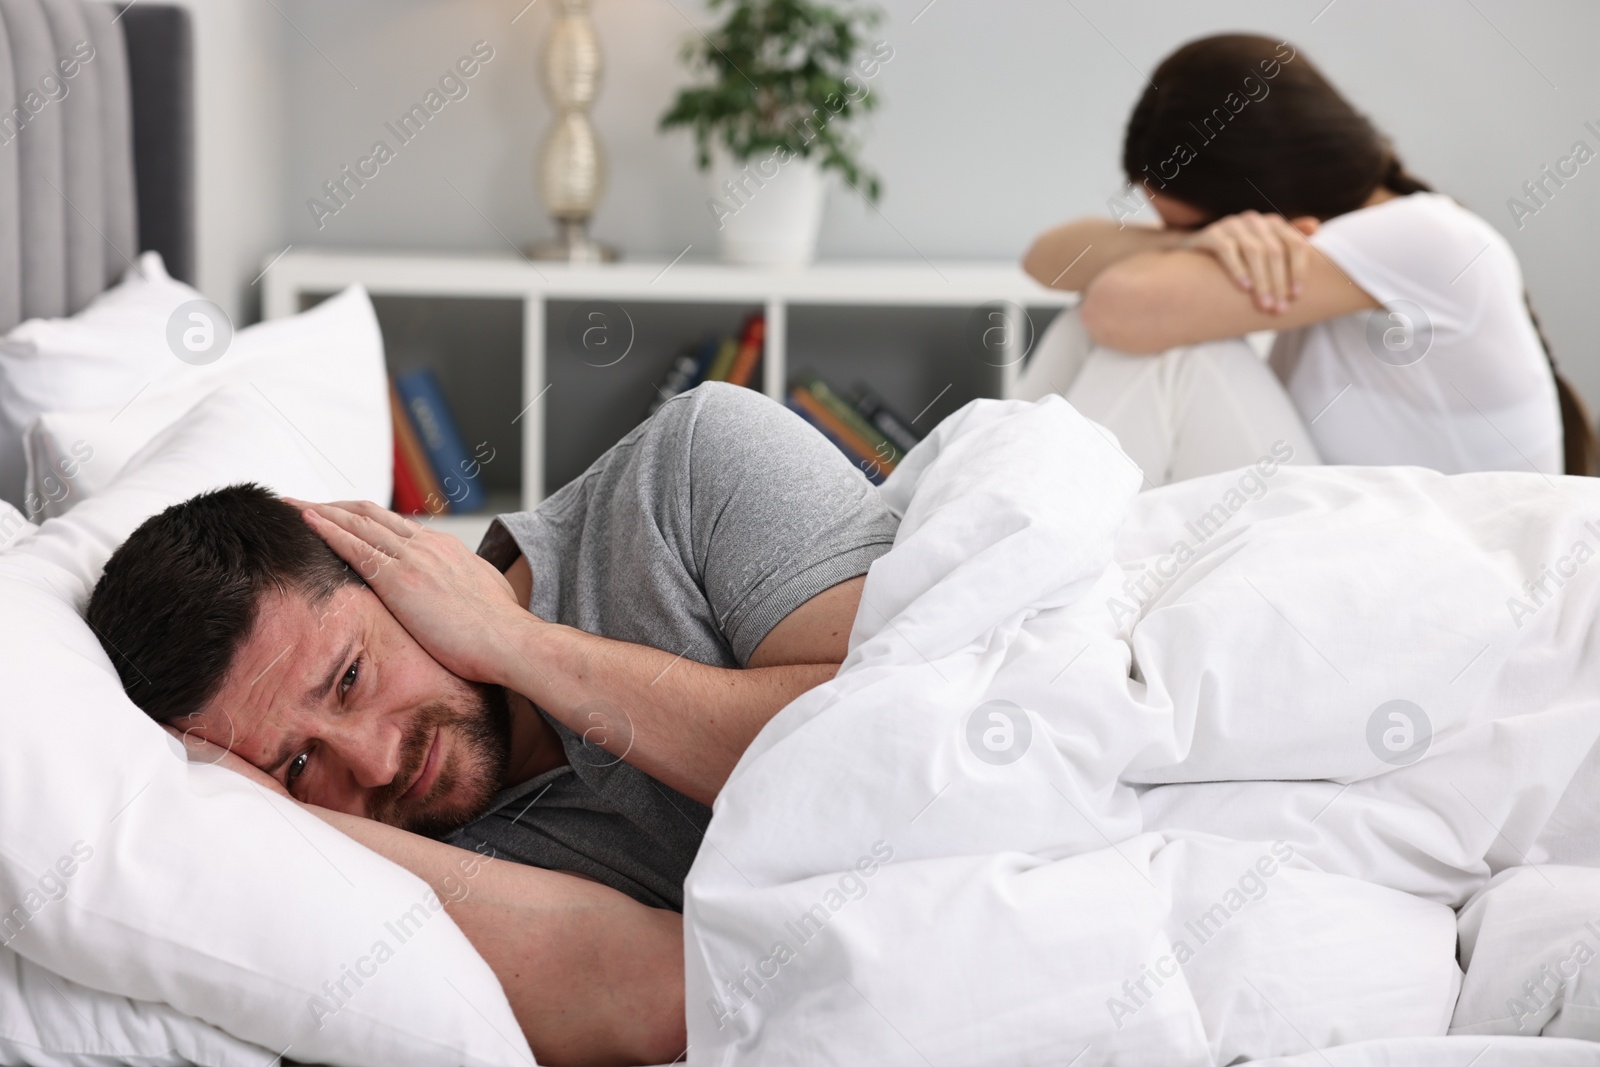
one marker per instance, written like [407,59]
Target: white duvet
[1175,778]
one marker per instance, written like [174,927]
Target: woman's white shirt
[1449,374]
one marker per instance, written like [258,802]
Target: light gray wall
[999,118]
[240,149]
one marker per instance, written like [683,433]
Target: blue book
[686,372]
[447,452]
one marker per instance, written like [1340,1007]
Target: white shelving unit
[1001,290]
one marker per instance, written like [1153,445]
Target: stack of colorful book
[735,360]
[863,427]
[434,473]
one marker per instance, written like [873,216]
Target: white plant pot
[768,214]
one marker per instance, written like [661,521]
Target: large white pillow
[49,1021]
[14,526]
[322,372]
[1530,944]
[99,357]
[199,891]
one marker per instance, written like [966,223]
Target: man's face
[340,704]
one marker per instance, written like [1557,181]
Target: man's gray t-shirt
[697,533]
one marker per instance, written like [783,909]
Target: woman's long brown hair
[1238,122]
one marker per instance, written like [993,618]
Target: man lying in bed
[578,712]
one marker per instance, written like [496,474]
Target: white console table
[833,305]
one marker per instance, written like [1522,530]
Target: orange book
[836,426]
[744,364]
[409,449]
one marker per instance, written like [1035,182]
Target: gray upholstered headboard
[160,43]
[96,136]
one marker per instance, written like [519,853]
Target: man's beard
[481,720]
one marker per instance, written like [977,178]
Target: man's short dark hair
[181,596]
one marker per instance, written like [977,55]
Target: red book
[743,371]
[409,456]
[407,497]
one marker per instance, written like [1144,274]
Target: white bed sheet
[1450,1052]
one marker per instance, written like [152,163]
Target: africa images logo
[1152,578]
[1399,732]
[999,732]
[454,85]
[1543,587]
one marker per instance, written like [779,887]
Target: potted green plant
[782,85]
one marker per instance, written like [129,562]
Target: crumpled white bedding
[1450,1052]
[1078,791]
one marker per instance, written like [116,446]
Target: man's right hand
[456,604]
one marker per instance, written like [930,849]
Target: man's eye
[296,767]
[348,681]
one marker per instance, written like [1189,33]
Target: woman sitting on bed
[1403,332]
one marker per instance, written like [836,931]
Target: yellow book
[721,365]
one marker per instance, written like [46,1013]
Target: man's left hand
[459,608]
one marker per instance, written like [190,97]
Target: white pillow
[200,891]
[14,526]
[1530,944]
[322,371]
[100,357]
[42,1017]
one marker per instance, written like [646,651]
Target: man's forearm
[1072,255]
[593,976]
[681,722]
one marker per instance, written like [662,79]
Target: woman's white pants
[1189,411]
